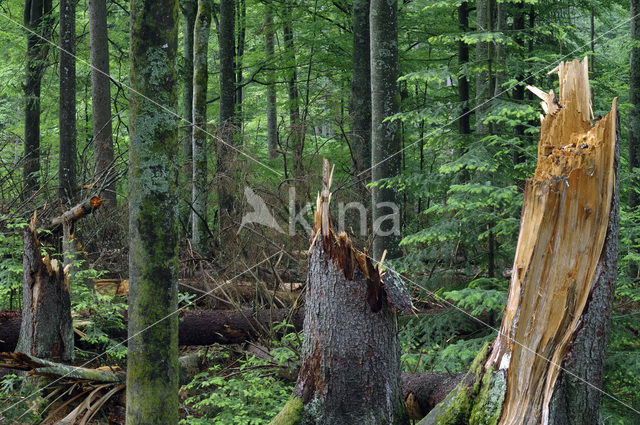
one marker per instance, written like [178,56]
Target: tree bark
[361,98]
[200,231]
[227,127]
[67,116]
[46,330]
[548,358]
[272,112]
[241,31]
[483,58]
[385,140]
[101,99]
[152,360]
[350,371]
[37,14]
[189,9]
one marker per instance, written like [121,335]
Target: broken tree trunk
[46,329]
[350,372]
[545,366]
[84,208]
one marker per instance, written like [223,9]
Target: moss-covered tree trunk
[37,15]
[101,99]
[361,98]
[350,371]
[385,140]
[225,180]
[46,330]
[67,115]
[272,111]
[152,361]
[546,364]
[200,192]
[188,9]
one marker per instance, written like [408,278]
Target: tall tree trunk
[101,99]
[361,97]
[499,61]
[296,126]
[67,116]
[189,9]
[272,112]
[547,361]
[46,330]
[385,141]
[152,360]
[483,59]
[36,16]
[350,371]
[199,151]
[227,127]
[634,116]
[463,82]
[241,30]
[518,90]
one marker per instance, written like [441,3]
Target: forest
[317,212]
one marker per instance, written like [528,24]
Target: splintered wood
[564,222]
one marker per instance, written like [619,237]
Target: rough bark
[483,59]
[152,361]
[227,129]
[385,140]
[350,370]
[272,112]
[46,330]
[361,97]
[189,9]
[241,33]
[199,194]
[37,14]
[67,115]
[101,99]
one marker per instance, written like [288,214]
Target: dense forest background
[468,134]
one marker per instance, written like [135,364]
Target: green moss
[459,404]
[290,414]
[488,403]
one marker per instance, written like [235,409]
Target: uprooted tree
[545,366]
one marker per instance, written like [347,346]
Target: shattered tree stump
[46,330]
[350,372]
[546,363]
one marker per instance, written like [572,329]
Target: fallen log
[546,364]
[200,327]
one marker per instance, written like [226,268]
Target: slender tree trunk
[241,30]
[152,360]
[189,9]
[518,90]
[361,97]
[350,369]
[463,59]
[101,99]
[499,61]
[483,77]
[297,131]
[46,330]
[36,16]
[227,128]
[67,116]
[200,72]
[272,112]
[385,141]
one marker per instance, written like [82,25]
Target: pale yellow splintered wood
[563,227]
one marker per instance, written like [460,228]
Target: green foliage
[250,392]
[11,263]
[13,390]
[483,294]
